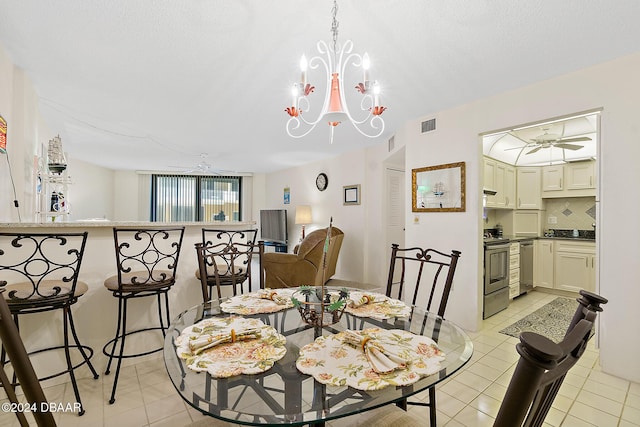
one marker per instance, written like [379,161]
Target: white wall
[91,192]
[614,86]
[25,133]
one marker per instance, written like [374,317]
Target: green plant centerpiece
[316,305]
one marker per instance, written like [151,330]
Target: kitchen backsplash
[570,213]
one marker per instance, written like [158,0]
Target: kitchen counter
[489,241]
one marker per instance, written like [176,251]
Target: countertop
[488,241]
[105,223]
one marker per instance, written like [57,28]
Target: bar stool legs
[121,334]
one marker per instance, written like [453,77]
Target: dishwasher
[526,266]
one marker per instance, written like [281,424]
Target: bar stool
[146,261]
[39,273]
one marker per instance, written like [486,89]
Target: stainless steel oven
[496,278]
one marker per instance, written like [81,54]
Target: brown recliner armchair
[304,266]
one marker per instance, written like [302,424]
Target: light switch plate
[552,220]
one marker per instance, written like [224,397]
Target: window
[178,198]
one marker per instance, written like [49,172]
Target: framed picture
[287,195]
[351,194]
[438,188]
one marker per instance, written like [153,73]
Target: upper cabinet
[529,188]
[501,178]
[552,178]
[581,175]
[575,179]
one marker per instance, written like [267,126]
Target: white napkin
[272,295]
[357,299]
[382,359]
[201,343]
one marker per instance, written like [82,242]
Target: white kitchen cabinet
[510,187]
[527,223]
[501,178]
[514,270]
[552,178]
[529,188]
[543,261]
[490,181]
[580,175]
[573,179]
[575,266]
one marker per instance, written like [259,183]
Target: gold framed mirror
[438,188]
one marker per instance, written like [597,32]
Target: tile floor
[472,397]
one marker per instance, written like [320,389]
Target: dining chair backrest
[40,270]
[411,267]
[543,366]
[227,263]
[147,257]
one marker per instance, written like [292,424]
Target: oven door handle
[497,247]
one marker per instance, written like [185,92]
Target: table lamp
[303,216]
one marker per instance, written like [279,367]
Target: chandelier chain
[334,28]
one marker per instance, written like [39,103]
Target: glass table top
[284,395]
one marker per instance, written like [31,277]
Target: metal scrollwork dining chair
[146,261]
[227,262]
[223,272]
[423,270]
[39,273]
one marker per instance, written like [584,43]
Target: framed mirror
[438,188]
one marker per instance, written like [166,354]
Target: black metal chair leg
[432,406]
[115,340]
[87,359]
[67,356]
[119,363]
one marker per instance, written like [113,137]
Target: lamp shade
[303,214]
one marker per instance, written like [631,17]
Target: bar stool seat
[39,273]
[146,261]
[47,290]
[129,282]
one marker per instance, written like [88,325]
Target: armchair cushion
[305,266]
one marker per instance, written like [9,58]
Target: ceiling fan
[202,168]
[548,140]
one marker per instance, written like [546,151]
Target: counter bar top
[111,224]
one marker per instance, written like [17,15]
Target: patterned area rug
[550,320]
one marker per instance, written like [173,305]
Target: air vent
[429,125]
[392,143]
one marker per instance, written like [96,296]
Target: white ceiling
[151,84]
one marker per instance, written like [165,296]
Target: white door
[395,209]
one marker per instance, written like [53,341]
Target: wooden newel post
[538,354]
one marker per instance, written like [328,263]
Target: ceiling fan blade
[568,146]
[517,148]
[535,150]
[578,139]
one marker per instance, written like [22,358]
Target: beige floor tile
[631,414]
[461,391]
[604,390]
[571,421]
[555,417]
[132,418]
[486,404]
[592,415]
[470,416]
[602,403]
[165,407]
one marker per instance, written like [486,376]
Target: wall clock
[322,181]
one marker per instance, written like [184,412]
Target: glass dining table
[282,394]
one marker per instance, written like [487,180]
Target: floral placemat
[230,346]
[263,301]
[376,305]
[335,360]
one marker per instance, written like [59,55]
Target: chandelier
[334,59]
